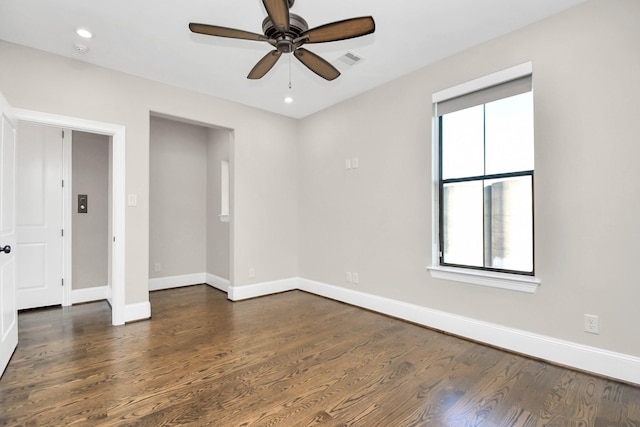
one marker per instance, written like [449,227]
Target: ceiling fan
[287,32]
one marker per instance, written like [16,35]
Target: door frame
[118,201]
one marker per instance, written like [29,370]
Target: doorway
[189,192]
[116,241]
[62,202]
[90,212]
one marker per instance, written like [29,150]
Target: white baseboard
[140,311]
[238,293]
[611,364]
[97,293]
[171,282]
[591,359]
[217,282]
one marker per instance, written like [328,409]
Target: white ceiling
[150,38]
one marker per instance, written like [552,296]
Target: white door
[39,216]
[8,310]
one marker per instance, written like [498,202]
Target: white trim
[170,282]
[493,79]
[513,282]
[118,135]
[67,211]
[118,258]
[435,188]
[238,293]
[218,282]
[591,359]
[139,311]
[97,293]
[603,362]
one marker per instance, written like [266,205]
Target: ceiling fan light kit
[288,32]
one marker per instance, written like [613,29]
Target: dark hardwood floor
[291,359]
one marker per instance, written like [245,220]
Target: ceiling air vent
[349,59]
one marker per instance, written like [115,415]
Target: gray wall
[376,220]
[185,233]
[90,241]
[177,198]
[218,240]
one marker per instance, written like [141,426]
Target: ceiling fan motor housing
[284,41]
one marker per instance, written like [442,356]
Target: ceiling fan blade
[316,64]
[264,65]
[278,11]
[341,30]
[214,30]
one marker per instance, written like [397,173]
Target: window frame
[505,279]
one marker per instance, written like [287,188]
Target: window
[485,173]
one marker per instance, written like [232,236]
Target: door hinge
[62,134]
[63,183]
[62,282]
[62,232]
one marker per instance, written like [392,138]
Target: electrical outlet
[158,267]
[349,277]
[591,324]
[356,278]
[252,273]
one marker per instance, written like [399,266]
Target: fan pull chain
[288,99]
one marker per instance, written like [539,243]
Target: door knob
[6,249]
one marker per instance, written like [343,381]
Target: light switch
[132,200]
[82,203]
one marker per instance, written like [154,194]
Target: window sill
[513,282]
[224,218]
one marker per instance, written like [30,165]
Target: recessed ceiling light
[288,100]
[84,33]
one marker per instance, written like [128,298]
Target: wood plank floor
[291,359]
